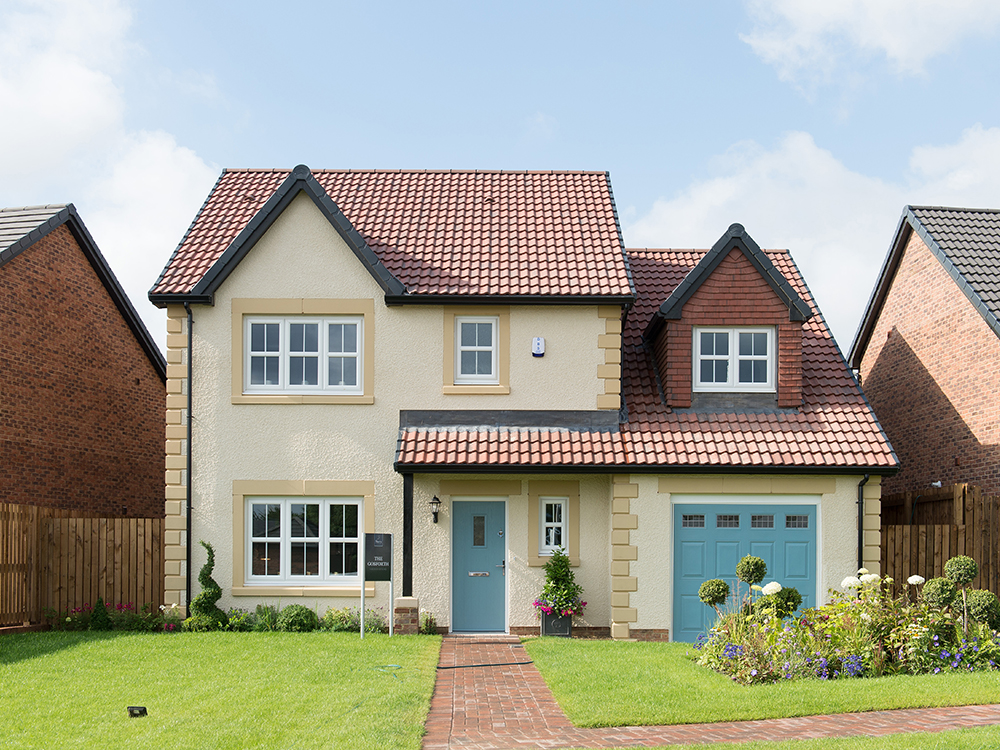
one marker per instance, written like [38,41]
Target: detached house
[928,348]
[473,362]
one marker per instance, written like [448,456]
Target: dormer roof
[735,238]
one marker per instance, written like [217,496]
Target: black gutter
[190,372]
[861,521]
[391,300]
[404,469]
[407,535]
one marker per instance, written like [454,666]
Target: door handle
[503,564]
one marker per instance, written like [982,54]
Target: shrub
[561,594]
[297,618]
[200,624]
[348,620]
[714,592]
[780,604]
[939,592]
[961,570]
[428,625]
[204,605]
[265,618]
[240,620]
[984,607]
[99,619]
[751,570]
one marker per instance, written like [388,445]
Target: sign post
[377,556]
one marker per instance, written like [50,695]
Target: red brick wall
[932,374]
[81,406]
[734,295]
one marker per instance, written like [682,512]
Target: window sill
[538,561]
[347,591]
[468,390]
[300,398]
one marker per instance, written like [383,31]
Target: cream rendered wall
[837,538]
[301,256]
[432,557]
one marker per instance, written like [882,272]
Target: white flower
[862,571]
[915,580]
[772,588]
[755,587]
[163,607]
[865,616]
[851,582]
[869,578]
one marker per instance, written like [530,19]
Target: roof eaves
[672,307]
[300,180]
[508,299]
[521,468]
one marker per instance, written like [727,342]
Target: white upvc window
[299,354]
[476,350]
[303,540]
[734,359]
[552,525]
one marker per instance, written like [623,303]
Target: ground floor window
[552,524]
[309,540]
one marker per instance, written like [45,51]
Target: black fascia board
[735,236]
[508,299]
[300,180]
[591,421]
[877,299]
[408,468]
[69,216]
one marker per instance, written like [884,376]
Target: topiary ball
[984,607]
[297,618]
[784,602]
[939,592]
[714,592]
[961,569]
[751,570]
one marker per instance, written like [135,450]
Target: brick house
[474,363]
[928,348]
[81,411]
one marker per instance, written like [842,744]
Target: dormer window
[734,359]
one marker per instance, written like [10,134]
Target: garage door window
[796,522]
[693,521]
[762,521]
[727,521]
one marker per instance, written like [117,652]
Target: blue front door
[479,552]
[709,539]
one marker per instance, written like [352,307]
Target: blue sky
[812,124]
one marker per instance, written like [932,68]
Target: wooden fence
[956,520]
[61,560]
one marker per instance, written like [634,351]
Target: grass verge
[608,683]
[220,690]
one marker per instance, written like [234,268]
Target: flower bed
[863,631]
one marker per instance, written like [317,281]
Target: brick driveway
[490,696]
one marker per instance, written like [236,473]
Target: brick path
[507,705]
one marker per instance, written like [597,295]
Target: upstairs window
[733,359]
[476,350]
[303,355]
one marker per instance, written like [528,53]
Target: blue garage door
[709,540]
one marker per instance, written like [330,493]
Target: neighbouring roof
[834,430]
[966,241]
[425,236]
[20,228]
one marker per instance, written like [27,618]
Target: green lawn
[218,690]
[608,683]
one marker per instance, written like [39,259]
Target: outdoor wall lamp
[435,504]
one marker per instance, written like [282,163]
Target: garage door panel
[693,559]
[692,613]
[727,555]
[798,561]
[765,551]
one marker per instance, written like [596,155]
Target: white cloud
[141,209]
[64,138]
[809,38]
[837,223]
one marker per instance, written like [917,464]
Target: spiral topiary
[751,570]
[984,607]
[714,592]
[203,607]
[939,592]
[961,569]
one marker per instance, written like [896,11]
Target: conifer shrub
[99,618]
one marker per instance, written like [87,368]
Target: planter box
[558,625]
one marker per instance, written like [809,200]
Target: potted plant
[560,597]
